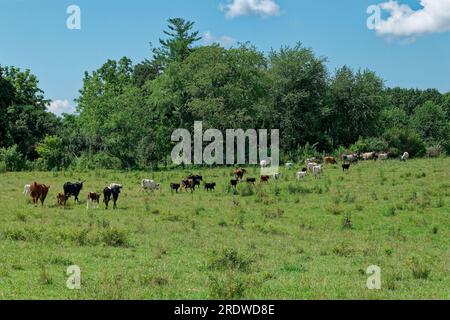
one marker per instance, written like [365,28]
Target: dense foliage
[127,112]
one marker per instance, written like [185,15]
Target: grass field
[312,239]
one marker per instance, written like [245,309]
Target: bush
[99,160]
[435,151]
[52,152]
[11,159]
[404,140]
[368,145]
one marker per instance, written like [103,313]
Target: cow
[234,183]
[239,173]
[175,186]
[26,190]
[311,165]
[369,156]
[38,192]
[404,157]
[304,169]
[251,180]
[195,177]
[93,199]
[150,185]
[264,163]
[301,175]
[210,186]
[313,159]
[188,184]
[329,160]
[114,191]
[277,176]
[346,167]
[317,171]
[265,179]
[383,156]
[62,199]
[73,189]
[351,158]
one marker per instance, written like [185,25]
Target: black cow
[234,183]
[175,186]
[73,189]
[111,191]
[188,184]
[251,180]
[346,167]
[210,186]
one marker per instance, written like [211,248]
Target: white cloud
[238,8]
[433,17]
[224,41]
[59,107]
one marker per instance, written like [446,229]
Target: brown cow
[93,199]
[188,184]
[62,199]
[239,173]
[265,179]
[38,192]
[329,160]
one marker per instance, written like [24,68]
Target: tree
[178,46]
[52,153]
[356,101]
[430,121]
[298,86]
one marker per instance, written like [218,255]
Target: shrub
[52,152]
[368,145]
[11,159]
[99,160]
[401,140]
[226,288]
[435,151]
[228,259]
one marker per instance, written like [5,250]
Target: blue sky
[405,51]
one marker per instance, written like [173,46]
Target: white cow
[26,190]
[383,156]
[317,171]
[265,163]
[405,156]
[310,166]
[277,176]
[301,175]
[149,185]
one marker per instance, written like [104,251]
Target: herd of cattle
[38,192]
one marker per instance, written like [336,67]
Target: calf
[210,186]
[317,171]
[234,183]
[311,165]
[61,199]
[175,186]
[251,180]
[239,173]
[26,190]
[73,189]
[277,176]
[93,199]
[38,192]
[346,167]
[301,175]
[265,179]
[150,185]
[114,191]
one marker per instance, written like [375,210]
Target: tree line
[127,112]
